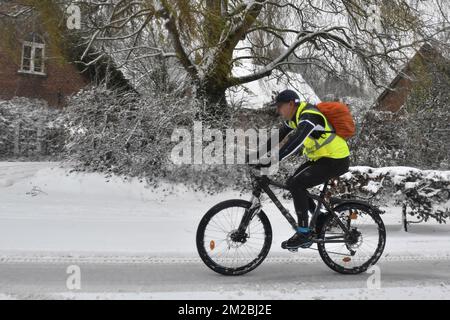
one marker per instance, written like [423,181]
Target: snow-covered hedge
[120,134]
[130,135]
[424,194]
[30,130]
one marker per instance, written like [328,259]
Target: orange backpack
[339,116]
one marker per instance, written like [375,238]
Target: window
[33,55]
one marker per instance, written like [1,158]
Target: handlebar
[254,167]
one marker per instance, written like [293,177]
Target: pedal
[306,245]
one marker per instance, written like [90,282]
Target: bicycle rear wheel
[364,245]
[220,245]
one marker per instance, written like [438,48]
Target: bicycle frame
[262,184]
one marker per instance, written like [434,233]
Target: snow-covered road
[286,279]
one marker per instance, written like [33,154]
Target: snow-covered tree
[206,39]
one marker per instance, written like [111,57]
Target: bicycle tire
[379,249]
[200,241]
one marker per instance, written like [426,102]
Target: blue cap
[286,96]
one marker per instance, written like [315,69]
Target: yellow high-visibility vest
[329,145]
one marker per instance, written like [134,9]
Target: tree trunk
[215,106]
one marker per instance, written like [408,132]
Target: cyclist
[327,153]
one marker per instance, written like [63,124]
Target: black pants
[308,175]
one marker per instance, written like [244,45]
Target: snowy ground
[134,242]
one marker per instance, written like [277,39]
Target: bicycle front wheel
[226,251]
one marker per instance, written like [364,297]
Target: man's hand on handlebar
[259,165]
[263,162]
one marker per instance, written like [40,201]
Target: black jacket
[308,125]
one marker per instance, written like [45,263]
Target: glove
[260,164]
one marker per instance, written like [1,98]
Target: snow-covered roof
[256,94]
[394,97]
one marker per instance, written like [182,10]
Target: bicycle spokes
[361,243]
[229,247]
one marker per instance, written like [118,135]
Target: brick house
[417,114]
[426,68]
[34,67]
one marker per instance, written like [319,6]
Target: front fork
[250,213]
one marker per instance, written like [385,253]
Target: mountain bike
[235,236]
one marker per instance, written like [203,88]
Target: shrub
[30,130]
